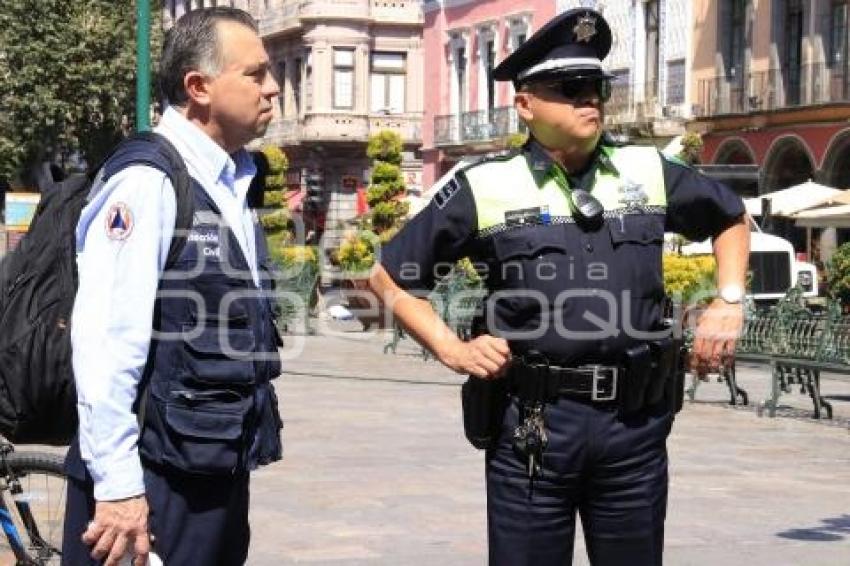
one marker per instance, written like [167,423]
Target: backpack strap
[154,150]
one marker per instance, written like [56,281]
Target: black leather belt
[594,382]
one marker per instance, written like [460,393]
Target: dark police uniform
[575,298]
[210,413]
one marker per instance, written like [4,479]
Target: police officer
[568,235]
[187,348]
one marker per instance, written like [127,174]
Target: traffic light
[313,197]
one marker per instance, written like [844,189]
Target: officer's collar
[542,165]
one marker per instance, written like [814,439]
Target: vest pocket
[534,264]
[205,430]
[637,241]
[219,356]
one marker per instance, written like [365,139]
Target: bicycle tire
[43,480]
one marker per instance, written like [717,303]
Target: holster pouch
[676,388]
[637,363]
[667,383]
[484,402]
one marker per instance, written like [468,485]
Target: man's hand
[486,357]
[118,527]
[717,332]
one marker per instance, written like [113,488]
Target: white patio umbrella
[824,217]
[787,202]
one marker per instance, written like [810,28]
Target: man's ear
[197,88]
[522,103]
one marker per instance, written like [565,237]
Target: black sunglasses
[574,88]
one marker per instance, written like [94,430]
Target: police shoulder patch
[119,222]
[446,193]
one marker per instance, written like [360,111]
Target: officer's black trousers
[195,520]
[613,471]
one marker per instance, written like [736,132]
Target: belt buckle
[601,373]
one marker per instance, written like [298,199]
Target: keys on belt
[530,439]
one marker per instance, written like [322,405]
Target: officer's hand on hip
[486,357]
[717,332]
[119,527]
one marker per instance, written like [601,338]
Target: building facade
[466,113]
[773,93]
[347,69]
[651,59]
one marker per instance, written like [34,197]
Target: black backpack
[38,283]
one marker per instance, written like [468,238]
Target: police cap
[572,44]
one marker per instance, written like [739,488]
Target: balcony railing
[642,102]
[476,126]
[785,87]
[446,129]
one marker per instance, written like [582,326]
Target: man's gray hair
[192,45]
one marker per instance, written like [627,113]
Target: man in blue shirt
[173,362]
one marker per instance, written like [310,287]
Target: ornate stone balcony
[396,11]
[292,14]
[334,126]
[408,126]
[283,132]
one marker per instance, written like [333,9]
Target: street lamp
[143,65]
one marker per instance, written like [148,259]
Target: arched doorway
[835,171]
[736,154]
[788,163]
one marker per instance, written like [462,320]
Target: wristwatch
[732,294]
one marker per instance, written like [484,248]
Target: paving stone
[377,471]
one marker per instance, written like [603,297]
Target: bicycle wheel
[41,502]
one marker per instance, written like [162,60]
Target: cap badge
[585,29]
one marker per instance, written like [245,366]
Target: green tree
[67,78]
[838,274]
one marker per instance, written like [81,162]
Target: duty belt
[532,378]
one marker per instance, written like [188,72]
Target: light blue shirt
[119,272]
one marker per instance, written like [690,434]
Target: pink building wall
[439,23]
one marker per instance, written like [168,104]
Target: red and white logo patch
[119,222]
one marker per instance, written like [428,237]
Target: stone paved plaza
[377,471]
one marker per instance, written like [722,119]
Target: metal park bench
[456,301]
[799,345]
